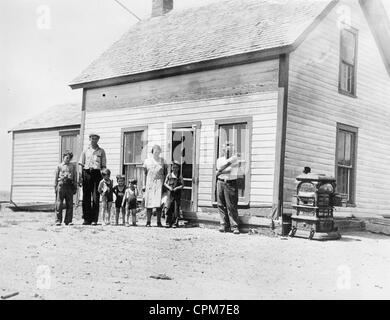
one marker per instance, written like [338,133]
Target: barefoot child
[174,184]
[119,191]
[65,186]
[105,189]
[130,199]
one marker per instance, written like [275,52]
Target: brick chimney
[161,7]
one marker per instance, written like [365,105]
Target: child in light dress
[105,189]
[130,200]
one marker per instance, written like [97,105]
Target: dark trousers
[91,179]
[65,193]
[149,212]
[227,197]
[172,214]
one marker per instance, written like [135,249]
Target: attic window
[348,61]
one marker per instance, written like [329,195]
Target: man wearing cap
[227,191]
[92,161]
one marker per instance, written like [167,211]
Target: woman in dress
[155,169]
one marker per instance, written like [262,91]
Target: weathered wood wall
[236,92]
[35,157]
[315,106]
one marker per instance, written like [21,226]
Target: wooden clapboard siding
[107,117]
[35,156]
[315,107]
[250,78]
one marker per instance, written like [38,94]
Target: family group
[161,191]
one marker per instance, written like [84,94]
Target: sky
[44,44]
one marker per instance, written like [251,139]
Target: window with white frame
[348,60]
[346,161]
[238,132]
[134,154]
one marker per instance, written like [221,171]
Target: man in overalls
[227,191]
[92,161]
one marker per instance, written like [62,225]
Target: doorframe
[195,178]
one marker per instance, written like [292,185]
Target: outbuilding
[37,147]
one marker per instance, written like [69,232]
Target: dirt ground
[43,261]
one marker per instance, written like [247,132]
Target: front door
[184,151]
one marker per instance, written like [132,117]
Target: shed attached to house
[37,146]
[280,79]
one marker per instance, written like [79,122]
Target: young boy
[119,191]
[130,199]
[174,184]
[105,189]
[65,186]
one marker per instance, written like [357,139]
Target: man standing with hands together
[92,162]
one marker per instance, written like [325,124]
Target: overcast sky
[39,57]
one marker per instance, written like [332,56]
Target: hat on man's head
[94,134]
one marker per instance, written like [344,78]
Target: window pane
[237,134]
[127,151]
[340,147]
[346,79]
[240,144]
[225,134]
[348,149]
[133,151]
[342,180]
[138,146]
[348,47]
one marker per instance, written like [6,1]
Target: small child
[65,186]
[119,191]
[105,189]
[130,199]
[174,184]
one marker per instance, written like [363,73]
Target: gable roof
[218,30]
[379,23]
[63,115]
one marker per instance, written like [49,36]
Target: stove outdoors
[313,217]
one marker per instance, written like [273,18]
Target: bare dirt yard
[43,261]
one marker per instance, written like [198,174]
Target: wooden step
[378,225]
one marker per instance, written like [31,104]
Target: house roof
[380,26]
[63,115]
[218,30]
